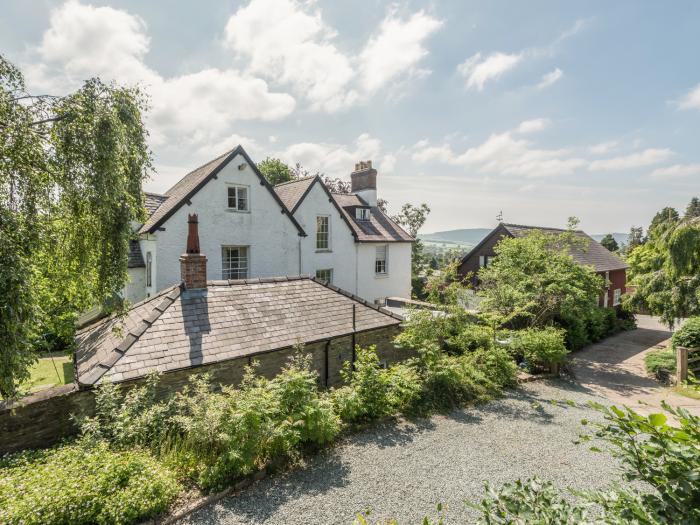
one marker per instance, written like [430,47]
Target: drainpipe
[300,255]
[357,248]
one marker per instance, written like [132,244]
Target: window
[483,260]
[323,232]
[238,198]
[234,262]
[325,275]
[362,214]
[380,260]
[149,269]
[617,293]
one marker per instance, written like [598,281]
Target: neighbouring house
[605,263]
[219,326]
[254,230]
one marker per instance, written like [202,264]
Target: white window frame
[330,275]
[327,248]
[483,261]
[236,189]
[381,270]
[362,214]
[231,272]
[617,296]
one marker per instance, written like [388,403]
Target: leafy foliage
[688,335]
[533,280]
[540,346]
[275,171]
[70,186]
[609,242]
[412,218]
[660,359]
[83,483]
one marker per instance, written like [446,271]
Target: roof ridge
[540,227]
[295,181]
[154,194]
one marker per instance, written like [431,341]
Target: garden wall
[42,419]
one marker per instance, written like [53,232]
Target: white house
[249,229]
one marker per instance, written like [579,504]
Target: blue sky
[541,109]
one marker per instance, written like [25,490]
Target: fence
[687,360]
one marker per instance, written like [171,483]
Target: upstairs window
[325,275]
[238,198]
[323,229]
[234,262]
[380,266]
[362,214]
[483,260]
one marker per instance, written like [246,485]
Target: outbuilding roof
[191,183]
[180,329]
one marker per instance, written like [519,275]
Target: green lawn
[44,374]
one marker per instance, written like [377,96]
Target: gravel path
[403,471]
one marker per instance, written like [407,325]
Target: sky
[540,110]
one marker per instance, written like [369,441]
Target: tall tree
[693,209]
[412,218]
[663,221]
[635,238]
[610,243]
[276,171]
[71,170]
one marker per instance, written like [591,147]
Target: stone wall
[43,419]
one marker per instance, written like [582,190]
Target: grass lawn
[44,374]
[688,391]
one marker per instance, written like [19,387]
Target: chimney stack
[193,265]
[364,182]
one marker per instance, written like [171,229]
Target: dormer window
[362,214]
[238,198]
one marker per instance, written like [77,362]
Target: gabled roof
[294,191]
[135,256]
[191,183]
[180,329]
[379,228]
[592,254]
[153,201]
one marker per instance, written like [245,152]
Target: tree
[610,243]
[533,280]
[71,170]
[635,238]
[693,209]
[412,218]
[276,171]
[663,221]
[336,185]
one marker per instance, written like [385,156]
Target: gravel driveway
[403,471]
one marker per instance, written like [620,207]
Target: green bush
[472,337]
[658,359]
[83,483]
[688,335]
[540,347]
[497,365]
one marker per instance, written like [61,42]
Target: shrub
[472,337]
[577,335]
[83,483]
[497,364]
[688,335]
[596,324]
[657,359]
[540,346]
[405,387]
[423,328]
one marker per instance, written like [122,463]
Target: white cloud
[691,100]
[503,154]
[335,160]
[289,42]
[603,147]
[550,78]
[478,71]
[83,41]
[640,159]
[387,164]
[677,171]
[531,126]
[396,49]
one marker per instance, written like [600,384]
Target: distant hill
[469,237]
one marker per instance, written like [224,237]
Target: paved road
[614,368]
[404,471]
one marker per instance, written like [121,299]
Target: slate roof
[153,201]
[191,183]
[293,192]
[379,228]
[230,319]
[593,254]
[135,256]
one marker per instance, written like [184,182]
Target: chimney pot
[364,182]
[193,265]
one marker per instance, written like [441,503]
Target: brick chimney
[193,265]
[364,182]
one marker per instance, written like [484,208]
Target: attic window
[362,214]
[238,198]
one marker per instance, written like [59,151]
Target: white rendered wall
[341,257]
[135,289]
[272,238]
[397,281]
